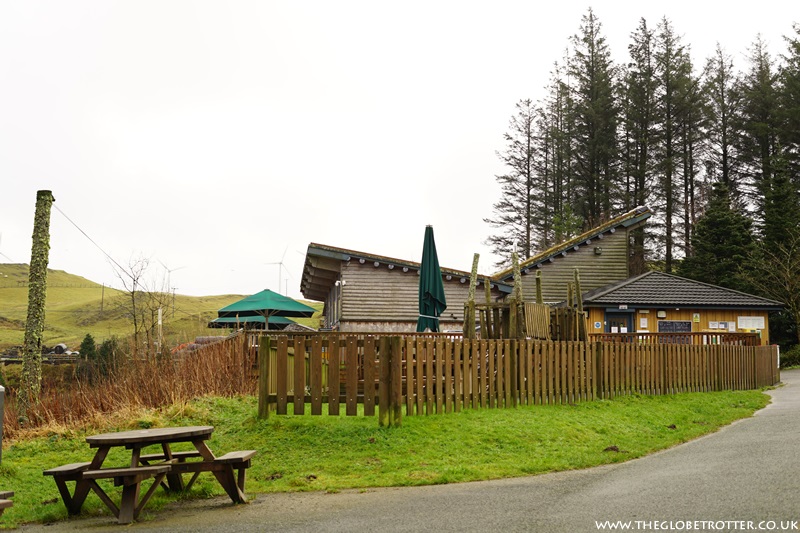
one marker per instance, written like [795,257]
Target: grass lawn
[326,453]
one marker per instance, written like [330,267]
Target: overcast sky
[217,138]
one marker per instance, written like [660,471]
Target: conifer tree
[722,113]
[514,215]
[554,161]
[639,131]
[789,98]
[673,71]
[722,244]
[757,126]
[596,119]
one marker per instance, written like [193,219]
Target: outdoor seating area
[166,469]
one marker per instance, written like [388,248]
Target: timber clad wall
[707,317]
[595,270]
[430,373]
[374,295]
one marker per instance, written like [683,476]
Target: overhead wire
[93,242]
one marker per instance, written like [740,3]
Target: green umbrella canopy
[269,304]
[250,322]
[432,302]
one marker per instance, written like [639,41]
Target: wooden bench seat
[5,503]
[229,469]
[126,476]
[6,494]
[243,456]
[71,470]
[180,456]
[130,479]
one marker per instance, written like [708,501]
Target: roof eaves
[626,220]
[604,292]
[344,254]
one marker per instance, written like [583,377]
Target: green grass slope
[76,306]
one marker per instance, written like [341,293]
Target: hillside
[76,306]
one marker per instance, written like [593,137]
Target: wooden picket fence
[433,374]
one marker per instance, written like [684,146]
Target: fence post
[390,385]
[383,381]
[598,370]
[263,376]
[515,373]
[396,392]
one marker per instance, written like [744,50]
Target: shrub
[791,357]
[88,347]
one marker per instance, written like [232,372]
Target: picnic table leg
[174,481]
[156,482]
[127,506]
[82,487]
[228,482]
[74,502]
[226,477]
[104,497]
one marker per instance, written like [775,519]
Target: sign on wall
[751,322]
[674,326]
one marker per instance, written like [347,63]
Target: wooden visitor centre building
[366,292]
[656,302]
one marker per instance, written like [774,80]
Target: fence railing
[439,374]
[700,338]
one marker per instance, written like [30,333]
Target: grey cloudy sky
[219,137]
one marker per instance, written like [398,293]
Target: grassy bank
[76,306]
[335,453]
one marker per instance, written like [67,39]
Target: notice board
[674,326]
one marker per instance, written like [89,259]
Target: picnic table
[166,468]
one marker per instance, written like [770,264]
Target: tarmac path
[744,477]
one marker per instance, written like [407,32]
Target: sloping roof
[657,289]
[319,276]
[631,218]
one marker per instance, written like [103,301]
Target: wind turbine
[280,269]
[169,283]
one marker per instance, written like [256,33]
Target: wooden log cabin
[602,256]
[365,292]
[656,302]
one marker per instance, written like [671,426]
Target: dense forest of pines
[712,150]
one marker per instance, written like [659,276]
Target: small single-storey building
[365,292]
[656,302]
[602,255]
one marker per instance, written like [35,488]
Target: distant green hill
[76,306]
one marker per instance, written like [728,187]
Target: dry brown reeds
[226,368]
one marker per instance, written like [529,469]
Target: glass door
[619,323]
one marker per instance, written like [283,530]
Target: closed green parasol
[432,302]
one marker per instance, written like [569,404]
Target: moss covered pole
[31,383]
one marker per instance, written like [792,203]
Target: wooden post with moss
[469,306]
[582,330]
[31,383]
[539,298]
[487,329]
